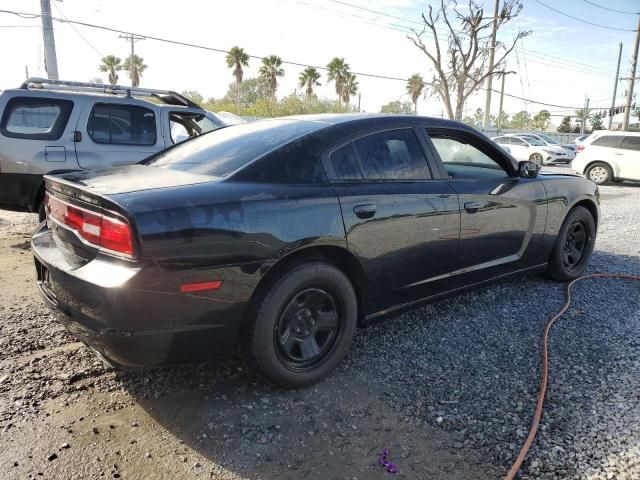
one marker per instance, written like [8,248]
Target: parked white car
[534,150]
[546,139]
[609,156]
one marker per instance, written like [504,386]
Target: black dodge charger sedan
[282,236]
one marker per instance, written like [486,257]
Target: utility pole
[615,87]
[50,59]
[132,38]
[585,114]
[631,79]
[26,71]
[501,100]
[359,98]
[492,52]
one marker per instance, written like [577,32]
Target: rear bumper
[129,314]
[20,191]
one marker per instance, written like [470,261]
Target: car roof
[341,118]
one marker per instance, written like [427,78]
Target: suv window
[122,124]
[462,160]
[631,143]
[612,141]
[184,125]
[35,118]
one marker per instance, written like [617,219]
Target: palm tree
[135,70]
[338,71]
[270,70]
[309,77]
[236,59]
[111,64]
[415,85]
[349,87]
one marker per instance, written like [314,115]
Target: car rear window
[222,152]
[35,118]
[612,141]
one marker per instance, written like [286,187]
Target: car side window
[463,160]
[631,143]
[611,141]
[502,140]
[35,118]
[386,156]
[122,124]
[518,141]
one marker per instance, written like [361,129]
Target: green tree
[541,120]
[474,119]
[501,121]
[135,69]
[349,87]
[236,59]
[111,64]
[582,116]
[596,121]
[270,71]
[521,119]
[396,106]
[415,86]
[565,125]
[308,79]
[251,90]
[338,71]
[194,96]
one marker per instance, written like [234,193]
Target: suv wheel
[599,173]
[303,325]
[574,245]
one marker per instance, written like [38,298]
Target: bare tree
[461,69]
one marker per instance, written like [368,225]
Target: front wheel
[302,326]
[574,245]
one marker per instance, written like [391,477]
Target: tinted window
[518,141]
[343,164]
[222,152]
[631,143]
[607,141]
[462,160]
[122,125]
[392,155]
[35,118]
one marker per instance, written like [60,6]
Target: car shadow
[448,388]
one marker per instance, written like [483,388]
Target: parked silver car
[51,126]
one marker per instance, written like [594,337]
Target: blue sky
[314,31]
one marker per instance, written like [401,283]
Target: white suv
[609,156]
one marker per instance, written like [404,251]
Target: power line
[610,9]
[583,21]
[77,31]
[258,57]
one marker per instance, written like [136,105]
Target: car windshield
[533,141]
[222,152]
[547,138]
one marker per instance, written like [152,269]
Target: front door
[629,158]
[401,223]
[502,216]
[113,133]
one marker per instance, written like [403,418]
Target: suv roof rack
[166,96]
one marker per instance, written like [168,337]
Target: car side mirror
[527,169]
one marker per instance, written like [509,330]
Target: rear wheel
[536,158]
[599,173]
[302,326]
[573,246]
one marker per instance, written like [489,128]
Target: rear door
[519,149]
[629,160]
[503,216]
[116,132]
[401,222]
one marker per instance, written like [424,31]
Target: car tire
[599,173]
[536,158]
[573,246]
[302,325]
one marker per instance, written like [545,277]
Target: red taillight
[100,230]
[580,148]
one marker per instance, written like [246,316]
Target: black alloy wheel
[575,245]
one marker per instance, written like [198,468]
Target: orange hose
[545,368]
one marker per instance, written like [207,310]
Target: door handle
[366,210]
[472,207]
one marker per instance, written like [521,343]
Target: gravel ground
[449,389]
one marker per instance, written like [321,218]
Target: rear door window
[611,141]
[35,118]
[122,124]
[631,143]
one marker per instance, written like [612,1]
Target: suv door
[117,132]
[503,216]
[629,160]
[400,222]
